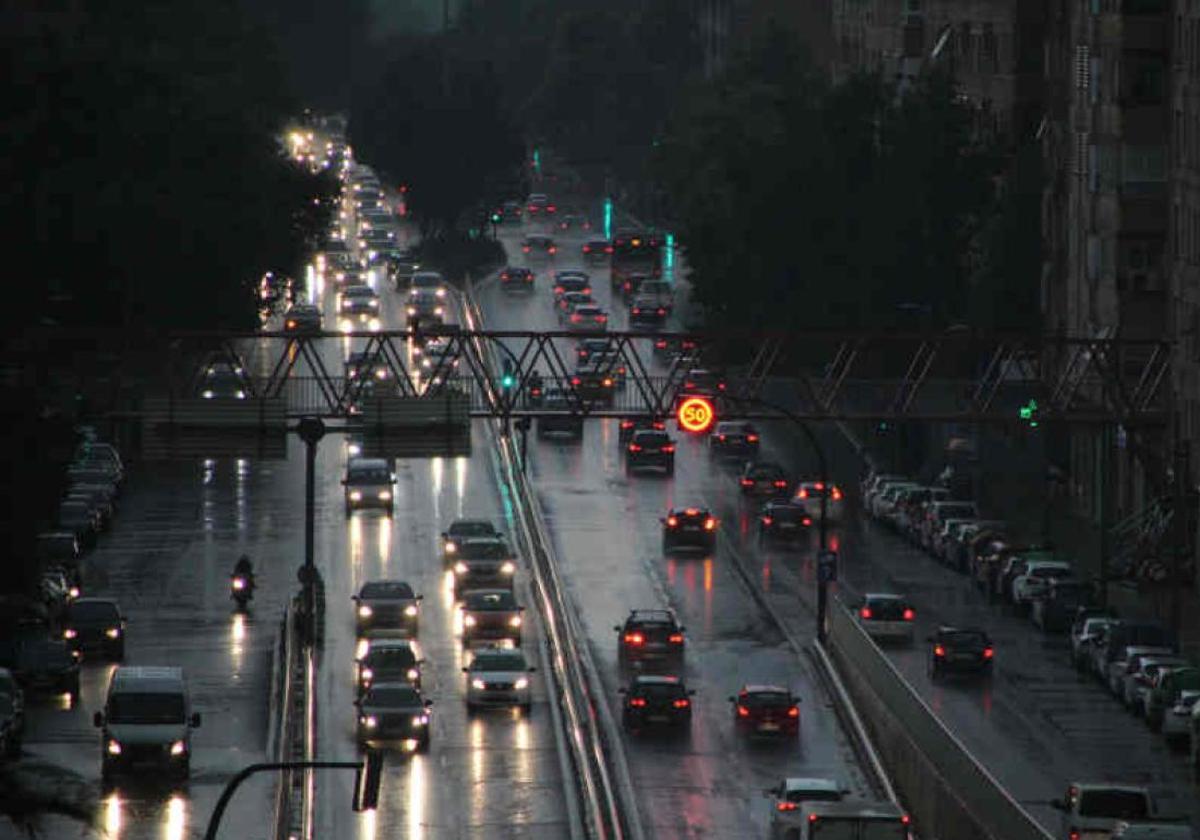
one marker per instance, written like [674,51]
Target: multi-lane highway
[607,535]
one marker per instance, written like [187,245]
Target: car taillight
[806,520]
[939,650]
[635,311]
[988,653]
[682,703]
[1073,833]
[661,344]
[672,521]
[633,447]
[558,290]
[575,380]
[600,319]
[608,250]
[909,615]
[525,248]
[675,638]
[802,493]
[608,383]
[670,447]
[747,482]
[766,520]
[626,424]
[865,612]
[752,438]
[552,249]
[836,494]
[587,249]
[742,711]
[781,483]
[794,711]
[709,524]
[637,702]
[575,318]
[634,639]
[721,438]
[658,425]
[551,208]
[785,806]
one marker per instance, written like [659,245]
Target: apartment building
[723,24]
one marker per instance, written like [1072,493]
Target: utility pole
[311,430]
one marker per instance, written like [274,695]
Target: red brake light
[575,380]
[1073,834]
[662,311]
[747,482]
[803,494]
[939,650]
[670,447]
[721,438]
[551,208]
[865,612]
[634,638]
[600,319]
[806,520]
[766,520]
[637,702]
[558,290]
[682,703]
[587,249]
[635,311]
[661,344]
[575,318]
[742,711]
[525,248]
[634,447]
[988,653]
[785,806]
[626,424]
[752,438]
[709,524]
[781,483]
[794,711]
[553,250]
[675,638]
[608,249]
[608,383]
[672,521]
[836,494]
[909,615]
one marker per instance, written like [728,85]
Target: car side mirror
[428,703]
[732,699]
[466,670]
[344,482]
[616,628]
[445,536]
[98,719]
[419,598]
[194,721]
[532,669]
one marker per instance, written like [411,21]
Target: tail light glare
[633,447]
[909,615]
[781,483]
[721,438]
[939,651]
[742,711]
[794,712]
[752,438]
[672,521]
[766,520]
[600,319]
[747,482]
[553,250]
[803,493]
[525,249]
[634,639]
[558,290]
[865,612]
[608,250]
[675,638]
[635,311]
[587,249]
[836,494]
[626,424]
[710,524]
[670,447]
[575,318]
[575,380]
[785,806]
[988,652]
[637,702]
[682,703]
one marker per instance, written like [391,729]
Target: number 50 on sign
[695,414]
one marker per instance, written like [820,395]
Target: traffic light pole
[311,430]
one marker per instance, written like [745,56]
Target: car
[48,665]
[58,587]
[648,449]
[809,493]
[613,363]
[58,547]
[424,307]
[937,514]
[596,249]
[402,266]
[302,319]
[670,348]
[790,794]
[627,426]
[960,650]
[498,677]
[388,661]
[573,221]
[439,360]
[886,616]
[539,246]
[702,382]
[463,529]
[587,349]
[594,385]
[570,280]
[783,521]
[1137,830]
[561,417]
[1086,631]
[569,301]
[510,212]
[644,312]
[652,636]
[513,278]
[147,722]
[1054,609]
[539,204]
[394,712]
[1165,691]
[369,483]
[97,502]
[491,614]
[1035,580]
[95,626]
[940,544]
[361,364]
[387,606]
[763,478]
[587,318]
[628,284]
[358,309]
[1177,720]
[1094,809]
[483,563]
[658,292]
[885,501]
[1119,635]
[1139,678]
[1126,663]
[734,439]
[80,519]
[689,528]
[765,710]
[656,700]
[222,383]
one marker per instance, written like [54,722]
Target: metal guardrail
[290,804]
[601,770]
[980,794]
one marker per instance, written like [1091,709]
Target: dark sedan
[387,606]
[95,625]
[656,701]
[960,650]
[689,528]
[766,710]
[783,521]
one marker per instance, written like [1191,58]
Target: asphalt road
[607,535]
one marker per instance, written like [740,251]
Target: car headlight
[73,592]
[355,496]
[441,293]
[113,632]
[410,610]
[420,720]
[414,674]
[70,633]
[369,721]
[385,495]
[354,449]
[178,748]
[412,310]
[241,395]
[469,621]
[461,568]
[521,683]
[365,611]
[367,675]
[515,621]
[508,567]
[437,310]
[114,747]
[208,395]
[451,547]
[478,684]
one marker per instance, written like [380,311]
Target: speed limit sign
[695,414]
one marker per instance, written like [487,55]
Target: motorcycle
[241,590]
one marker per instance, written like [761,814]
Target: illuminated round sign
[695,414]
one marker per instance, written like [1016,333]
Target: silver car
[498,677]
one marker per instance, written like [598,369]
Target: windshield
[484,551]
[372,476]
[766,699]
[392,697]
[145,707]
[391,658]
[659,691]
[498,662]
[965,638]
[1114,804]
[385,590]
[91,613]
[491,601]
[813,796]
[471,529]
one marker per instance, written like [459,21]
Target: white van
[147,723]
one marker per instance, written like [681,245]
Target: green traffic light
[507,381]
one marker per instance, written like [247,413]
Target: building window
[1143,165]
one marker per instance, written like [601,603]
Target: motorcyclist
[245,569]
